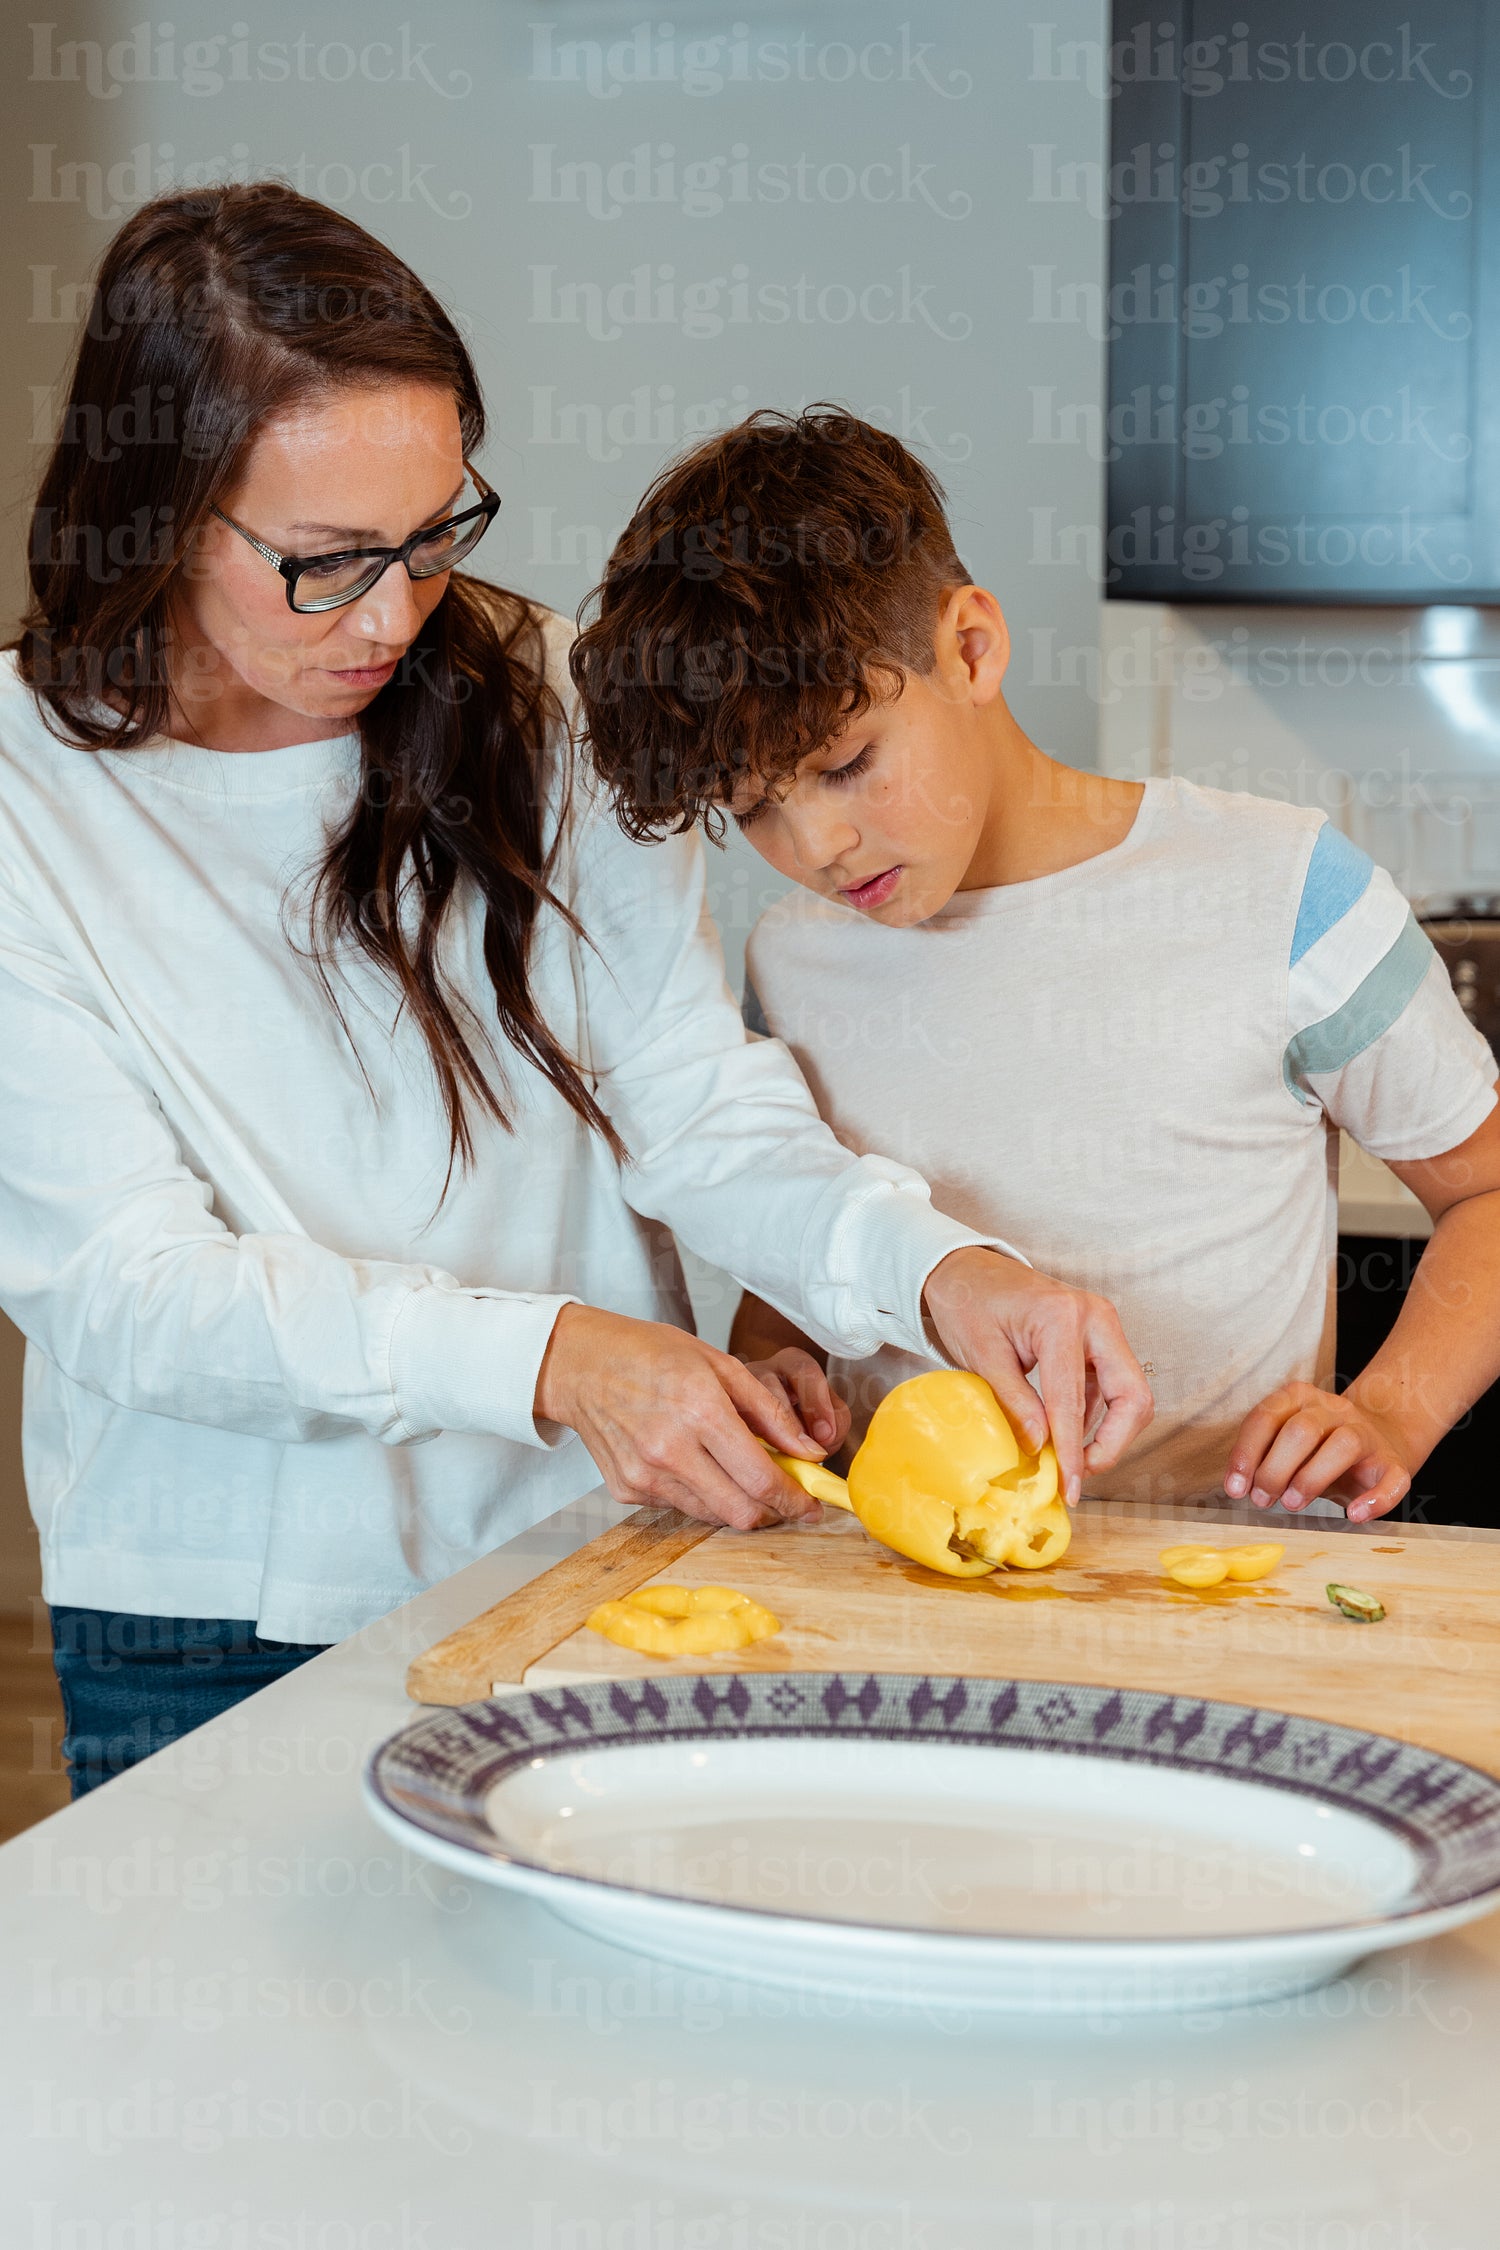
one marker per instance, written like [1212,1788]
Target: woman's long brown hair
[214,309]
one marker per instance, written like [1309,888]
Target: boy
[1118,1021]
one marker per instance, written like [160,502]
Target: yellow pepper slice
[1246,1564]
[683,1621]
[1201,1566]
[688,1601]
[813,1478]
[1198,1568]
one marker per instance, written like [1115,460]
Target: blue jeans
[132,1684]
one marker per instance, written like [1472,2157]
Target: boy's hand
[1002,1319]
[795,1377]
[1302,1443]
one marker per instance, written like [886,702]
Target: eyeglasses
[328,581]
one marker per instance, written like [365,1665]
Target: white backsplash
[1387,718]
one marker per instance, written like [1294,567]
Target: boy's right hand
[1003,1319]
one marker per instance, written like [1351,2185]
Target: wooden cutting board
[1429,1673]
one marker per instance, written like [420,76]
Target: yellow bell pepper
[683,1621]
[1201,1567]
[941,1478]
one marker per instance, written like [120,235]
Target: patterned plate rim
[435,1773]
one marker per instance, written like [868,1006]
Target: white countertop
[1372,1200]
[239,2019]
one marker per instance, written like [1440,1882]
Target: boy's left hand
[796,1377]
[1301,1444]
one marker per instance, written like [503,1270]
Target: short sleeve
[1422,1086]
[1375,1034]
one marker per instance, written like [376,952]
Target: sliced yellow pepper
[1200,1566]
[941,1478]
[1197,1567]
[813,1478]
[1249,1563]
[683,1621]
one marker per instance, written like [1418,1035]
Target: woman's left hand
[796,1377]
[1003,1319]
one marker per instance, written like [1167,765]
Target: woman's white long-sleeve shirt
[271,1371]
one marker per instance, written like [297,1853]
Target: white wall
[646,236]
[855,200]
[1389,719]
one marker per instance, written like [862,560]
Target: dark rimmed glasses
[316,582]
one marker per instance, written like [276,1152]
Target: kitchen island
[241,2019]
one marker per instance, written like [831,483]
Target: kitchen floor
[33,1781]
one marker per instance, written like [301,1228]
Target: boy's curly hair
[772,584]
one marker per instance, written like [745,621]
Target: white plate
[982,1843]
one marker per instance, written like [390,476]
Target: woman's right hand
[671,1422]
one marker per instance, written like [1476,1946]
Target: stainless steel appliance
[1466,932]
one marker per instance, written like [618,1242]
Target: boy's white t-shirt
[1135,1067]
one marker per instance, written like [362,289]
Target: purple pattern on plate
[439,1770]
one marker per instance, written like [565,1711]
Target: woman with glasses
[353,1064]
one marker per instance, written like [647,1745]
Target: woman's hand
[1301,1443]
[1002,1319]
[795,1376]
[672,1423]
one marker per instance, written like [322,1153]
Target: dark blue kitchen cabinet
[1302,310]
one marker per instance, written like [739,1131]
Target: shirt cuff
[468,1359]
[904,1240]
[1437,1139]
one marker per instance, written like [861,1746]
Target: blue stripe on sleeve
[1338,875]
[1368,1012]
